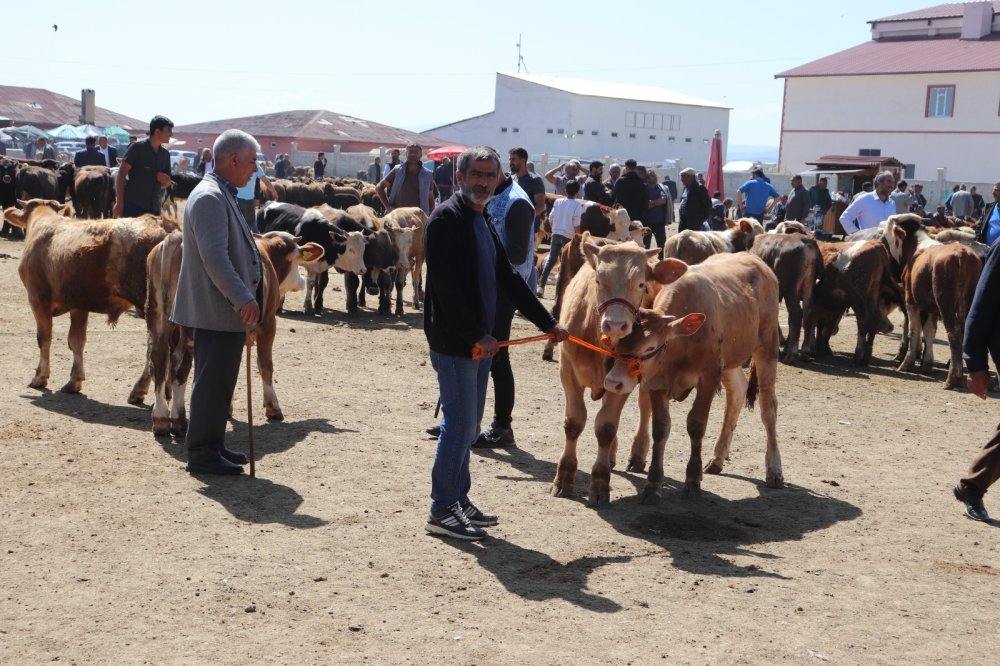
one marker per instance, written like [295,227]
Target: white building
[925,90]
[564,118]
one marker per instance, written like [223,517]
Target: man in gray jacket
[218,295]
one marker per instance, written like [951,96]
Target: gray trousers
[217,356]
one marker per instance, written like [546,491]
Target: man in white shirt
[565,219]
[871,209]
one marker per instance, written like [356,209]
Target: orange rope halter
[634,363]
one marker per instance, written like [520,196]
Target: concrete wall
[532,110]
[839,115]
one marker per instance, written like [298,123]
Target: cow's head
[33,209]
[620,224]
[637,232]
[620,274]
[350,246]
[649,338]
[402,240]
[286,255]
[905,234]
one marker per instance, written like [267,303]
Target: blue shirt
[486,265]
[246,192]
[993,230]
[757,191]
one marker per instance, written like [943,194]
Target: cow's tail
[752,387]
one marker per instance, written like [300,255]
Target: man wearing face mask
[408,184]
[467,267]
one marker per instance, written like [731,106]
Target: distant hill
[739,151]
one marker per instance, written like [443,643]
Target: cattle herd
[689,321]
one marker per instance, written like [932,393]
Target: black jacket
[696,206]
[632,195]
[982,325]
[452,308]
[88,157]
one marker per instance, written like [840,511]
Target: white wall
[839,115]
[534,109]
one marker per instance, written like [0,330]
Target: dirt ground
[111,553]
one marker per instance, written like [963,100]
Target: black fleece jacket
[452,308]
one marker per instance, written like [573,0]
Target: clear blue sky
[416,65]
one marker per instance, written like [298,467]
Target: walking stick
[253,457]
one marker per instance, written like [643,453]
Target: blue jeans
[555,247]
[462,388]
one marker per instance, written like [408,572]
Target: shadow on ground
[258,500]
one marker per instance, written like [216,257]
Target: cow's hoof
[38,383]
[638,466]
[600,494]
[178,427]
[774,479]
[650,496]
[274,415]
[713,467]
[564,491]
[71,387]
[399,312]
[161,426]
[373,291]
[135,398]
[309,312]
[383,311]
[547,355]
[691,489]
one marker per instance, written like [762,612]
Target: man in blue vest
[408,184]
[512,214]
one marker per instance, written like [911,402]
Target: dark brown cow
[704,325]
[81,267]
[938,283]
[857,275]
[170,347]
[796,263]
[38,182]
[93,192]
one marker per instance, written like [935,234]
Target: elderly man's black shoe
[234,457]
[217,465]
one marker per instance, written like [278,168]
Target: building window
[687,140]
[503,130]
[653,137]
[579,131]
[664,121]
[201,141]
[940,102]
[908,170]
[593,132]
[560,130]
[631,135]
[548,131]
[614,135]
[514,130]
[870,152]
[671,138]
[273,143]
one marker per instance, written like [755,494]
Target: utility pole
[520,58]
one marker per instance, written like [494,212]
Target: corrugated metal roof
[947,10]
[855,161]
[615,90]
[906,56]
[315,125]
[46,109]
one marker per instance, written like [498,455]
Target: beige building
[925,90]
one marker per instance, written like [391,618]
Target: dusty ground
[111,553]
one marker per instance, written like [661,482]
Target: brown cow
[601,301]
[938,283]
[170,347]
[38,182]
[81,267]
[412,218]
[796,263]
[857,275]
[93,192]
[704,325]
[693,247]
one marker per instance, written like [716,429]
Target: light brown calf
[693,247]
[704,325]
[81,266]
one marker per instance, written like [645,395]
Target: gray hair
[231,142]
[882,177]
[687,172]
[477,154]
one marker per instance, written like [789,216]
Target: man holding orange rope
[466,266]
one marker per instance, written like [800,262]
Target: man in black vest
[631,193]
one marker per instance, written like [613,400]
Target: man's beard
[480,198]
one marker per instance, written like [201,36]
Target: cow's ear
[590,252]
[647,231]
[652,253]
[338,236]
[746,227]
[731,224]
[66,210]
[21,203]
[297,239]
[899,232]
[688,324]
[668,270]
[311,252]
[15,216]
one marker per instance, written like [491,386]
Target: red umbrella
[713,177]
[439,154]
